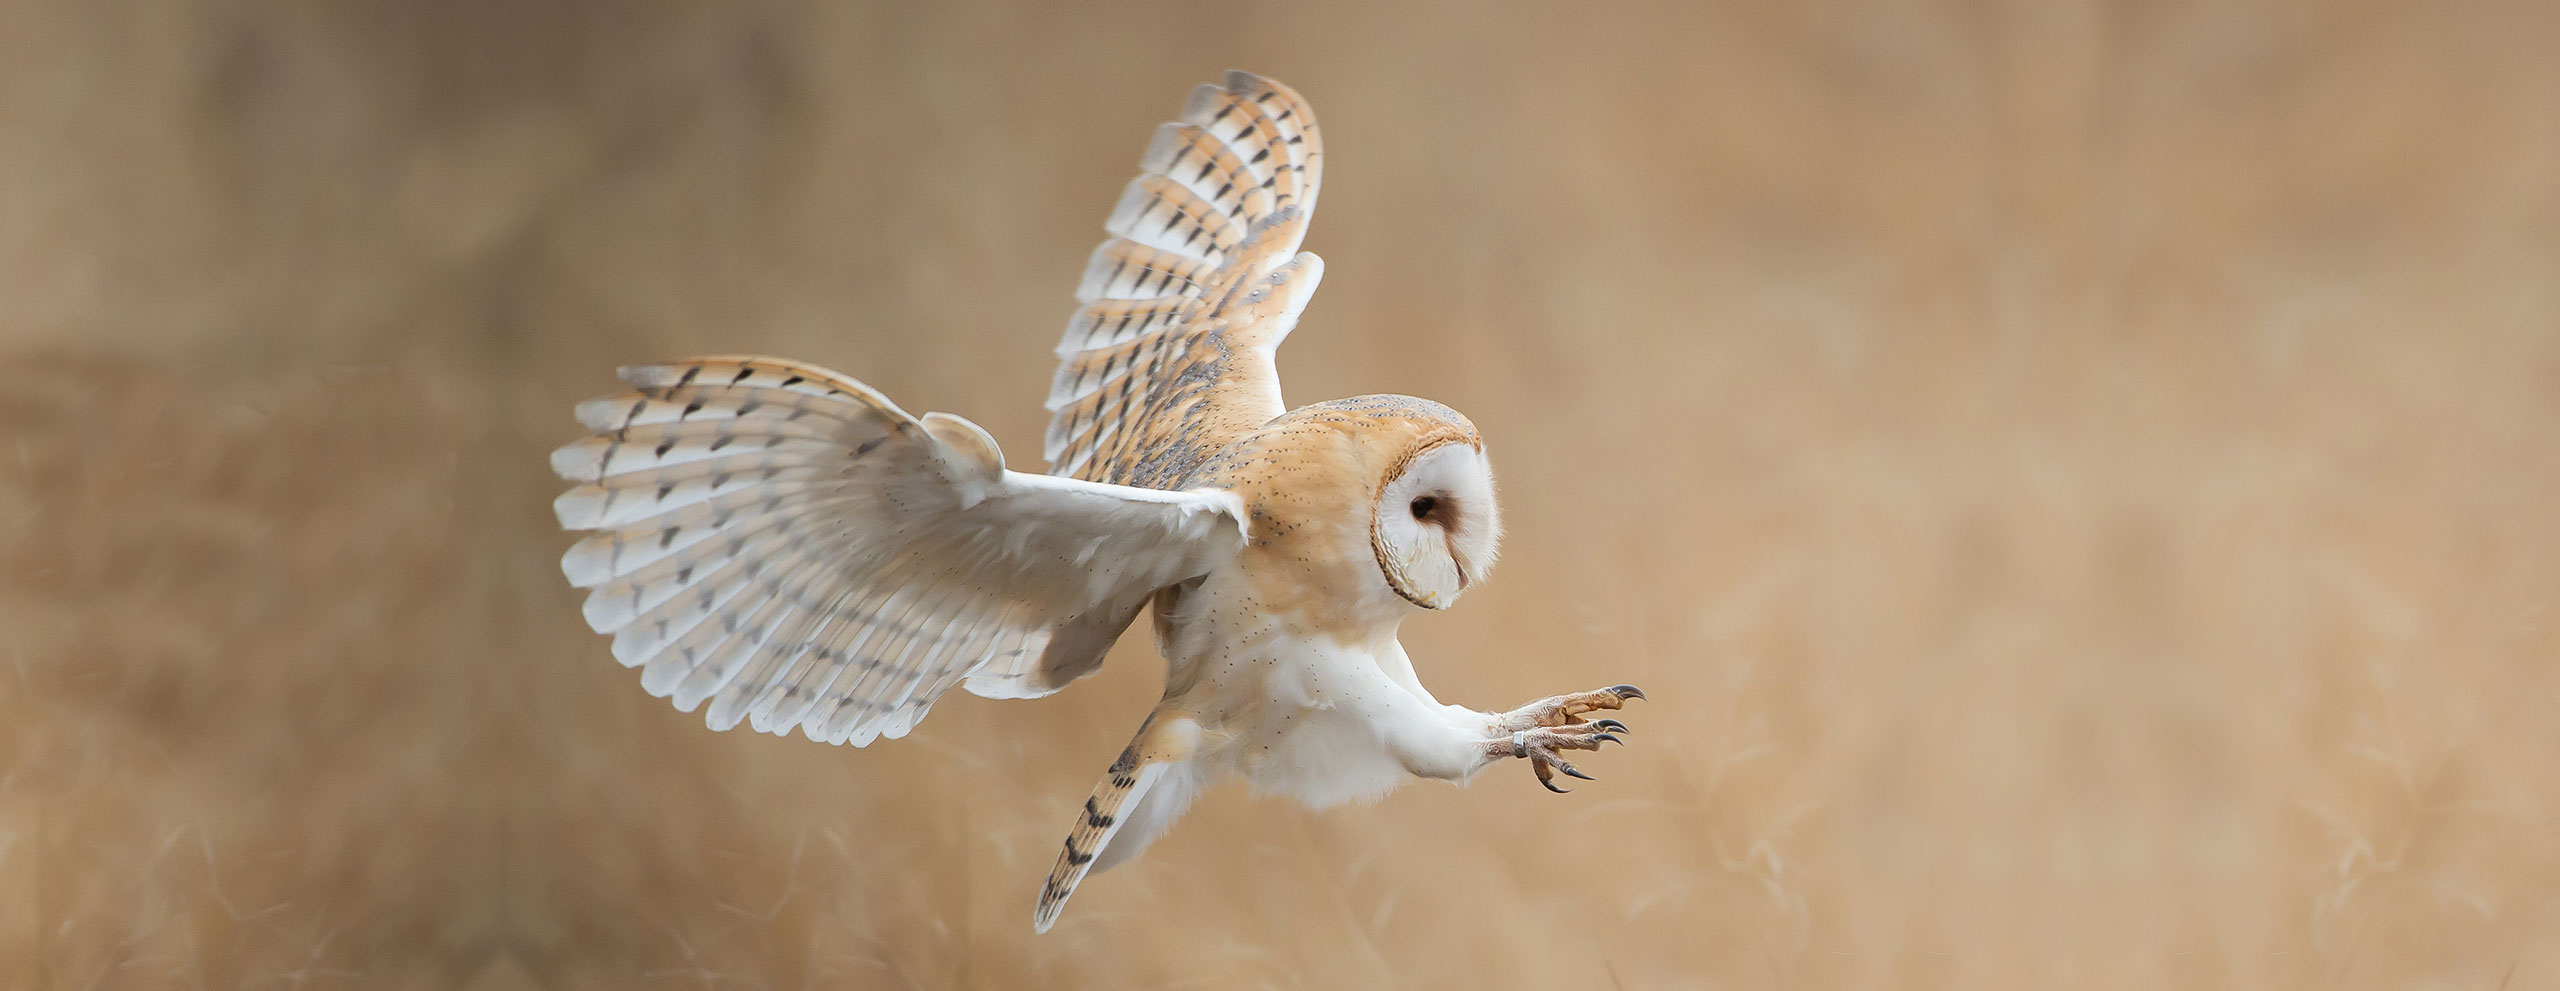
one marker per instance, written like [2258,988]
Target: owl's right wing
[789,545]
[1169,357]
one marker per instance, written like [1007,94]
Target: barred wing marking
[1169,356]
[787,544]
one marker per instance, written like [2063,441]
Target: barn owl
[789,546]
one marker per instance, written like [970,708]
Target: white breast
[1288,710]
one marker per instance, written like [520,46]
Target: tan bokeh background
[2079,481]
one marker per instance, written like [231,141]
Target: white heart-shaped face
[1436,527]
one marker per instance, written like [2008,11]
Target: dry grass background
[2078,480]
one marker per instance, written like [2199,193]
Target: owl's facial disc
[1436,527]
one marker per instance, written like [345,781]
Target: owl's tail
[1145,790]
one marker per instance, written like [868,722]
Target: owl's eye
[1423,505]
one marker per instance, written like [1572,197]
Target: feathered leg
[1145,788]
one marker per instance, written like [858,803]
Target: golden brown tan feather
[1169,357]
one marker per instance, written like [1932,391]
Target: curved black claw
[1627,691]
[1611,737]
[1551,786]
[1571,771]
[1610,726]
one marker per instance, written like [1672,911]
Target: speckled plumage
[788,545]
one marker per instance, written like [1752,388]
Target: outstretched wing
[1169,357]
[788,544]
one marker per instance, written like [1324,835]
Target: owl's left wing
[788,544]
[1169,355]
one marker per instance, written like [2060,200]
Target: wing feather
[1169,357]
[789,546]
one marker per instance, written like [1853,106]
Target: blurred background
[2077,479]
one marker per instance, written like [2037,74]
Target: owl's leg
[1567,710]
[1453,743]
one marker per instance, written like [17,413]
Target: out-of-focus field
[2079,481]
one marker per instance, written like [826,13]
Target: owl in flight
[789,546]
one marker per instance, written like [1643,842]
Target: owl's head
[1389,492]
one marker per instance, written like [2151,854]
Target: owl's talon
[1540,745]
[1611,726]
[1567,710]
